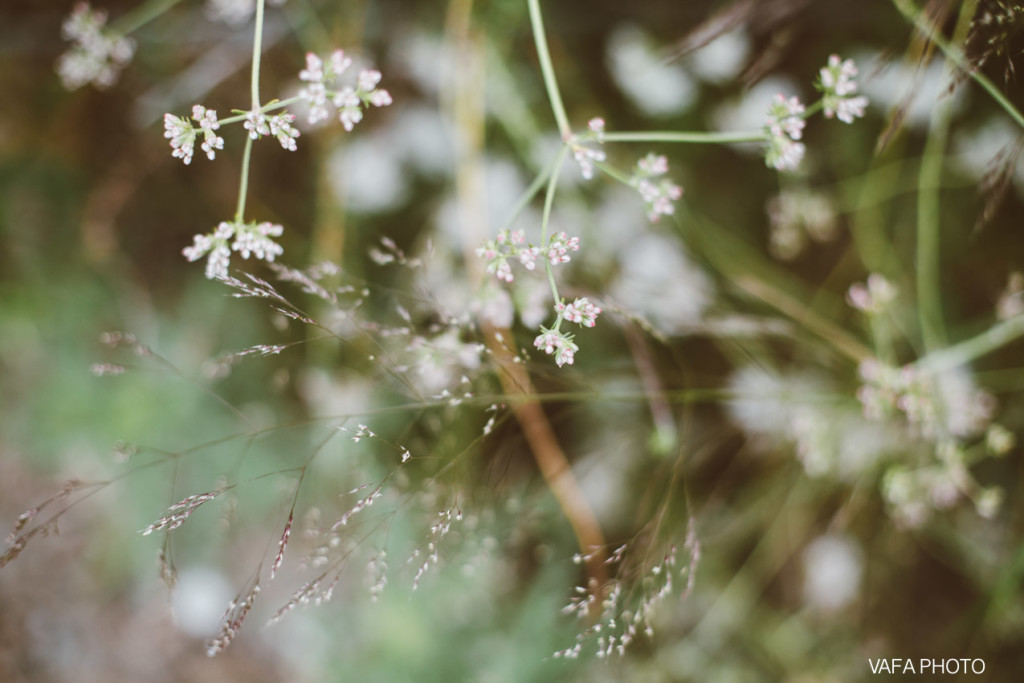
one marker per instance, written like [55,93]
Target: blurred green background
[720,325]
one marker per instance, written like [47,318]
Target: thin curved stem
[531,191]
[546,67]
[243,187]
[141,15]
[929,257]
[685,137]
[278,104]
[988,341]
[257,54]
[549,200]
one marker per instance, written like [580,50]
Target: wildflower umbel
[657,192]
[839,90]
[873,298]
[278,125]
[557,343]
[349,102]
[250,239]
[784,126]
[559,247]
[580,311]
[586,156]
[96,56]
[508,245]
[182,133]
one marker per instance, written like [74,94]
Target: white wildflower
[784,126]
[657,193]
[559,344]
[584,155]
[182,136]
[839,90]
[580,311]
[321,90]
[207,120]
[249,239]
[95,56]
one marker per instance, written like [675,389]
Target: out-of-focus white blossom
[796,215]
[875,297]
[497,252]
[235,12]
[658,193]
[833,566]
[937,406]
[585,155]
[95,56]
[1011,301]
[655,86]
[659,281]
[999,440]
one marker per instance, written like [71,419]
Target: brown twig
[465,102]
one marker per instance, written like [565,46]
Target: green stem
[279,104]
[243,188]
[690,137]
[614,173]
[531,191]
[140,16]
[257,54]
[812,109]
[929,257]
[929,292]
[549,200]
[959,354]
[916,17]
[548,69]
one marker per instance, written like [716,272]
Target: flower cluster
[839,90]
[580,311]
[560,344]
[586,156]
[797,215]
[939,406]
[784,126]
[279,125]
[657,192]
[349,101]
[874,298]
[95,56]
[912,494]
[557,343]
[248,239]
[559,246]
[506,245]
[182,133]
